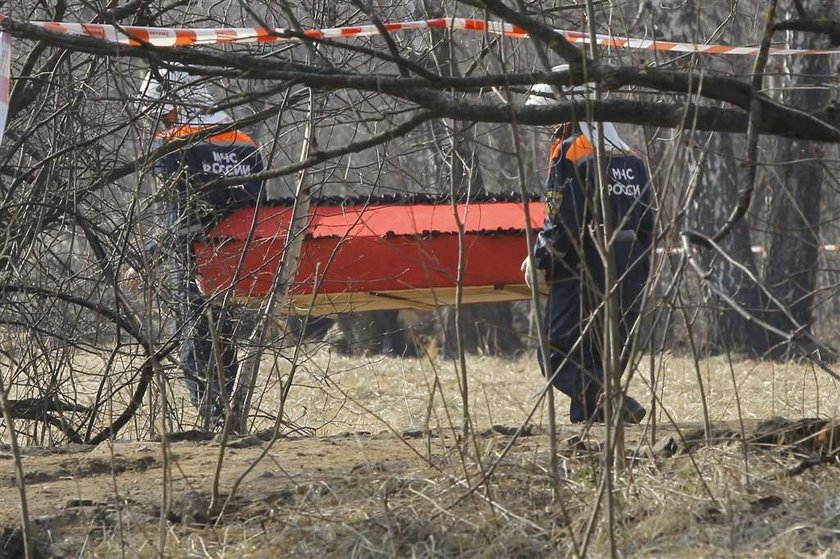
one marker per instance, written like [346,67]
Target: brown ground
[371,481]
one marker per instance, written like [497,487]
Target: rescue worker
[567,260]
[192,205]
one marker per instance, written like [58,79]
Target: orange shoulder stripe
[554,152]
[232,137]
[229,137]
[177,132]
[580,149]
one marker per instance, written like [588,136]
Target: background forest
[740,322]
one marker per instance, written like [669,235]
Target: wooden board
[419,299]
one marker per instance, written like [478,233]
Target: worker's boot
[631,412]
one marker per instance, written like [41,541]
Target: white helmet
[541,94]
[182,92]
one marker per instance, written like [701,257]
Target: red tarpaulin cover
[370,257]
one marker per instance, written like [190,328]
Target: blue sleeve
[647,222]
[161,211]
[564,204]
[254,187]
[167,165]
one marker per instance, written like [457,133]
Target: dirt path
[66,476]
[305,492]
[73,490]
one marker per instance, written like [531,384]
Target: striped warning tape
[755,249]
[760,250]
[179,36]
[5,62]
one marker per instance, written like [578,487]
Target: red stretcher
[373,256]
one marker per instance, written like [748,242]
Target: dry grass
[377,493]
[334,394]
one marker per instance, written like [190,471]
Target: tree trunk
[717,195]
[792,261]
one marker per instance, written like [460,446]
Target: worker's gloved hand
[131,279]
[526,269]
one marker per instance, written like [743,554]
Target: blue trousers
[196,352]
[574,356]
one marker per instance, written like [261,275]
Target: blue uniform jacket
[568,196]
[195,204]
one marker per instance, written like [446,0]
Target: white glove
[131,279]
[526,269]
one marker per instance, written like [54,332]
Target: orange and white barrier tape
[762,251]
[755,249]
[179,36]
[5,75]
